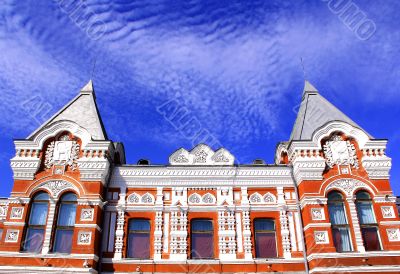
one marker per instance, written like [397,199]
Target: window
[37,223]
[369,227]
[109,231]
[139,239]
[340,226]
[65,223]
[265,239]
[202,239]
[1,233]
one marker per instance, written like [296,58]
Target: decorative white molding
[308,168]
[340,152]
[55,187]
[321,237]
[206,199]
[62,152]
[25,168]
[12,236]
[393,234]
[16,213]
[377,166]
[317,214]
[137,199]
[84,237]
[87,214]
[201,155]
[3,211]
[387,212]
[267,198]
[348,186]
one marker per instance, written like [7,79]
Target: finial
[304,71]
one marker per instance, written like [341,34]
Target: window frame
[29,226]
[374,225]
[138,232]
[211,231]
[346,226]
[57,227]
[264,231]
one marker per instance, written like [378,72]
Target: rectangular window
[1,233]
[202,239]
[139,239]
[341,239]
[265,239]
[370,238]
[109,231]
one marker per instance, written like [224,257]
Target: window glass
[265,238]
[65,224]
[340,226]
[202,239]
[139,239]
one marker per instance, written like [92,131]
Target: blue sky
[233,66]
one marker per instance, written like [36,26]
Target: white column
[49,226]
[166,232]
[178,243]
[239,234]
[285,233]
[356,225]
[226,235]
[248,255]
[292,231]
[119,233]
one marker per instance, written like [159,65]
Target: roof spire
[88,88]
[309,88]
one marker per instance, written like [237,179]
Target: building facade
[324,206]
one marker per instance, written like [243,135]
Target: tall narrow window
[110,219]
[139,239]
[65,224]
[340,226]
[37,223]
[265,239]
[202,239]
[369,226]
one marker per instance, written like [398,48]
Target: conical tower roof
[83,111]
[314,112]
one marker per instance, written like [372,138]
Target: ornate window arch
[347,186]
[57,187]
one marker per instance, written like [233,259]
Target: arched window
[202,239]
[37,223]
[265,238]
[339,223]
[139,239]
[369,226]
[65,224]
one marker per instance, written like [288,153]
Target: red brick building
[325,206]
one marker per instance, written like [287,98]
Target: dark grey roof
[314,112]
[83,111]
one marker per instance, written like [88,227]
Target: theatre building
[324,206]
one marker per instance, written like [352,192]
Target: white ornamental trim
[321,237]
[348,186]
[317,214]
[16,213]
[87,214]
[340,152]
[3,211]
[84,237]
[145,199]
[206,199]
[63,152]
[387,212]
[267,198]
[393,234]
[56,187]
[12,236]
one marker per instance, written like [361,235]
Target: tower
[342,178]
[60,173]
